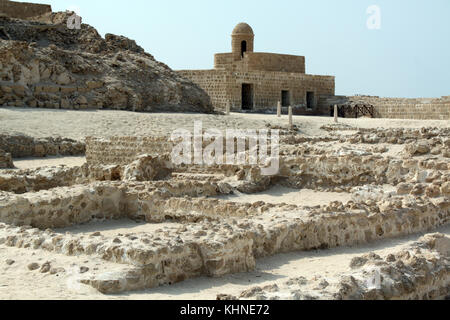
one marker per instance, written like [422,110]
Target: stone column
[228,107]
[335,113]
[290,118]
[279,109]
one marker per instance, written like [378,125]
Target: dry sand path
[79,124]
[32,163]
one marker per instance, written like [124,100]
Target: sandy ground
[280,194]
[17,282]
[31,163]
[112,228]
[79,124]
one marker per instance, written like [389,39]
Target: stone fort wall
[223,86]
[23,10]
[398,108]
[261,61]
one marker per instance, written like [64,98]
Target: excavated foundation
[194,221]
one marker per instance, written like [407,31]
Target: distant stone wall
[397,108]
[23,10]
[20,146]
[400,108]
[124,150]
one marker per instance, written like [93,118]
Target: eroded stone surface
[392,195]
[47,65]
[421,271]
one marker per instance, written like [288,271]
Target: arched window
[243,48]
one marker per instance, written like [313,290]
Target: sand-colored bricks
[266,74]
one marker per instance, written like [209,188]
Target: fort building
[257,81]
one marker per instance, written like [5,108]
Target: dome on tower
[243,28]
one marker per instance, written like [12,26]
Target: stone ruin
[398,180]
[5,160]
[134,178]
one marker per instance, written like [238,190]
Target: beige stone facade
[258,81]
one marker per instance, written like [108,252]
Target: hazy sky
[409,56]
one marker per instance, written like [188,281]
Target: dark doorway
[247,96]
[285,98]
[243,48]
[310,100]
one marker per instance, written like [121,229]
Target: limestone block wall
[177,257]
[397,108]
[223,86]
[5,160]
[20,146]
[223,61]
[420,109]
[213,247]
[26,180]
[124,150]
[240,242]
[424,262]
[62,207]
[259,61]
[267,87]
[214,82]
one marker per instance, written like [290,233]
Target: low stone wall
[210,247]
[425,263]
[124,150]
[5,160]
[414,170]
[62,207]
[420,109]
[164,258]
[397,108]
[20,146]
[33,180]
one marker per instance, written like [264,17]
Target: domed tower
[242,40]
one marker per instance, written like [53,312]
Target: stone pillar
[290,118]
[335,113]
[228,107]
[279,109]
